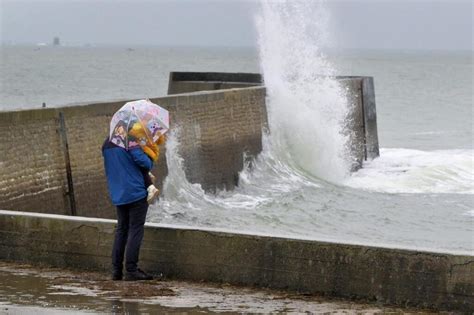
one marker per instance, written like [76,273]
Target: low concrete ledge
[394,276]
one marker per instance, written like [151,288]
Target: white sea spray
[307,107]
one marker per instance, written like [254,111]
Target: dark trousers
[129,235]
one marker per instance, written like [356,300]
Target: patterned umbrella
[138,123]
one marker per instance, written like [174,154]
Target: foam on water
[259,186]
[275,199]
[415,171]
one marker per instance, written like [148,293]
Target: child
[153,151]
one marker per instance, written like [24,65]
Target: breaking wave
[301,185]
[415,171]
[307,108]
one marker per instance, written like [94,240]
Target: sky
[356,24]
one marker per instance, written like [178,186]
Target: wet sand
[25,289]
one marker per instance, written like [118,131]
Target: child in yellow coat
[153,151]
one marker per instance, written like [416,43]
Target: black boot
[117,275]
[137,275]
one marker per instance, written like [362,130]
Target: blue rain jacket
[124,170]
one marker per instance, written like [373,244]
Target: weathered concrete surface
[32,162]
[360,92]
[215,130]
[394,276]
[370,118]
[185,82]
[42,290]
[362,117]
[355,121]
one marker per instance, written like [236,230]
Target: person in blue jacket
[124,172]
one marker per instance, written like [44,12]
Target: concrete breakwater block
[405,277]
[52,160]
[220,123]
[360,97]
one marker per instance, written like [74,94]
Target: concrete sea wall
[185,82]
[360,90]
[391,276]
[51,159]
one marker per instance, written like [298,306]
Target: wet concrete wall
[51,159]
[185,82]
[360,92]
[362,120]
[391,276]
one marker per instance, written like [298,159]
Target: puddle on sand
[31,290]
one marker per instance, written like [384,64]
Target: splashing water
[300,186]
[275,199]
[415,171]
[307,112]
[262,186]
[307,108]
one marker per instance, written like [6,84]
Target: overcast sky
[389,24]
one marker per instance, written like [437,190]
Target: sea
[418,194]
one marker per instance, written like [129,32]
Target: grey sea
[417,194]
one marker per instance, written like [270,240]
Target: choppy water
[418,194]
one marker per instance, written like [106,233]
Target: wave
[260,184]
[307,109]
[300,184]
[416,171]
